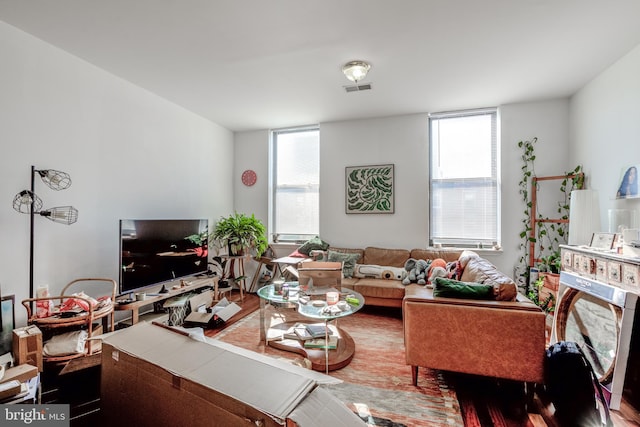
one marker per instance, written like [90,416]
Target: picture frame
[7,311]
[602,241]
[628,187]
[369,189]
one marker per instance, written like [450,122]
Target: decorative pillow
[379,272]
[450,288]
[454,270]
[348,260]
[311,244]
[65,344]
[479,270]
[298,254]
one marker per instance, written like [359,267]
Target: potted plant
[549,274]
[542,296]
[240,233]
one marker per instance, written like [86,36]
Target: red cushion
[298,254]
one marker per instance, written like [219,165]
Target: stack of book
[318,330]
[322,343]
[313,335]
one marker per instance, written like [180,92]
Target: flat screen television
[153,251]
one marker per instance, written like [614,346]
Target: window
[464,187]
[295,202]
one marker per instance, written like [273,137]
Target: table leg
[254,280]
[243,280]
[326,346]
[263,335]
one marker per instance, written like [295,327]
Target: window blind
[464,184]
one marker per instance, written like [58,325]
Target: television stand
[189,285]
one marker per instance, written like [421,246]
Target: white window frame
[277,236]
[443,228]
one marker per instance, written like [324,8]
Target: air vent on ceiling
[358,88]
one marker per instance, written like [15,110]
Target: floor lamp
[27,202]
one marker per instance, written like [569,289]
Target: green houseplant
[542,247]
[240,233]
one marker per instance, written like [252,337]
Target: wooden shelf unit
[186,285]
[534,209]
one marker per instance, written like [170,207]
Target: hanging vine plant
[549,233]
[528,172]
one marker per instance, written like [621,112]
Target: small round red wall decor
[249,177]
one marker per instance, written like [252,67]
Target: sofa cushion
[348,261]
[446,254]
[381,256]
[376,288]
[379,272]
[450,288]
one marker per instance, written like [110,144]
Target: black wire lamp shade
[56,180]
[27,202]
[61,214]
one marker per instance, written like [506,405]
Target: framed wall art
[8,323]
[369,189]
[628,187]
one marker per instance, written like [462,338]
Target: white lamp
[584,216]
[356,70]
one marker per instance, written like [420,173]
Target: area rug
[377,379]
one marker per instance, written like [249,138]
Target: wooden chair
[56,322]
[321,273]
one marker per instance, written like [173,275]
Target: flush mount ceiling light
[356,70]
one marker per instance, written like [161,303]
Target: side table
[231,259]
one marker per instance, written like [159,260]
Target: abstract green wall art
[369,189]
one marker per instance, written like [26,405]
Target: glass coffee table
[313,307]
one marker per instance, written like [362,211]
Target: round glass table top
[313,303]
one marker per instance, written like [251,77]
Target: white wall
[403,141]
[605,130]
[130,154]
[548,121]
[251,154]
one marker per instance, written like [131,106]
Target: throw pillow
[378,272]
[348,261]
[450,288]
[298,254]
[479,270]
[313,244]
[454,270]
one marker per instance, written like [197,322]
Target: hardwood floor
[488,399]
[491,399]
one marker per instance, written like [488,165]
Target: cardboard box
[27,346]
[20,373]
[178,308]
[155,376]
[204,316]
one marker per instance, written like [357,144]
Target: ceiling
[258,64]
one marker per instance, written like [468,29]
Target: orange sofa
[502,339]
[385,292]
